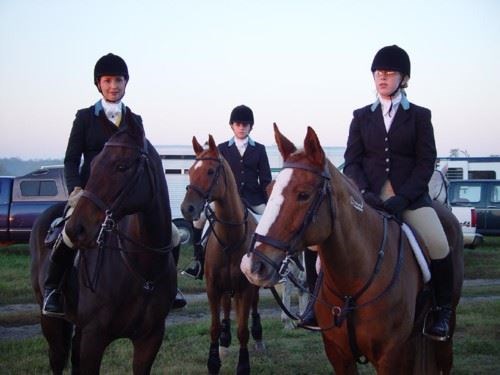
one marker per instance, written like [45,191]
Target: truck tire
[185,230]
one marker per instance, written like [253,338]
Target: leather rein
[110,225]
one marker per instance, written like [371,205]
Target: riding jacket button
[387,160]
[387,169]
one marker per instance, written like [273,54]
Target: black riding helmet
[110,65]
[241,114]
[392,58]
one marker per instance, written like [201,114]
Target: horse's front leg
[146,348]
[243,304]
[214,362]
[256,327]
[225,333]
[93,343]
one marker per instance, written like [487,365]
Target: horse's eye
[303,196]
[121,167]
[210,172]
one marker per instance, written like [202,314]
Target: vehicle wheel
[185,230]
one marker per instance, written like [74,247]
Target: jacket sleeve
[74,152]
[354,153]
[425,158]
[265,176]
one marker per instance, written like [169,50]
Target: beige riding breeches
[426,222]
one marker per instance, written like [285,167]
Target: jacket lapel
[400,118]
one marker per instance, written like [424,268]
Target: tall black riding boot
[195,269]
[442,279]
[60,261]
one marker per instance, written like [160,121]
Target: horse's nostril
[191,209]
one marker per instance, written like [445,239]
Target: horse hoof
[260,346]
[223,352]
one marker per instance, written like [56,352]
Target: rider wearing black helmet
[92,127]
[391,155]
[250,166]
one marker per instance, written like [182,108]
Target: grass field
[185,347]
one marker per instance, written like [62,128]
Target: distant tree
[456,153]
[19,167]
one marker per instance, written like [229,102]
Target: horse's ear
[285,146]
[313,148]
[196,146]
[134,126]
[211,144]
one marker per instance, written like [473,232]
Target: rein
[110,225]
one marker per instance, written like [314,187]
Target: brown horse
[212,184]
[125,272]
[367,305]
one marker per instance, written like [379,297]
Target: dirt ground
[184,315]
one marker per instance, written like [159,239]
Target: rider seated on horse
[391,155]
[250,166]
[91,129]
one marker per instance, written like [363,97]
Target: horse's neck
[155,223]
[351,249]
[230,209]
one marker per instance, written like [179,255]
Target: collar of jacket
[231,142]
[98,108]
[404,103]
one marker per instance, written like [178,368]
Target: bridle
[291,248]
[110,222]
[143,164]
[207,196]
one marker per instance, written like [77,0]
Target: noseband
[290,248]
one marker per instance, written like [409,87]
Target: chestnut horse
[125,271]
[231,226]
[368,306]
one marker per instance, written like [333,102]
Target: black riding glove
[396,204]
[373,200]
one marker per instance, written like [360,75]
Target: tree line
[19,167]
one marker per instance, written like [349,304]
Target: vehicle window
[482,175]
[38,188]
[495,194]
[467,194]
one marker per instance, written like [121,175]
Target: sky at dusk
[296,63]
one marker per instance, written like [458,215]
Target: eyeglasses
[384,73]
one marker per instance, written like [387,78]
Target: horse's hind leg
[57,332]
[146,349]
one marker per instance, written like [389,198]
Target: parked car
[23,198]
[484,196]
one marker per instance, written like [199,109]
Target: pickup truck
[484,196]
[441,191]
[23,198]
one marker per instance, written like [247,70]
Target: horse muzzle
[258,272]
